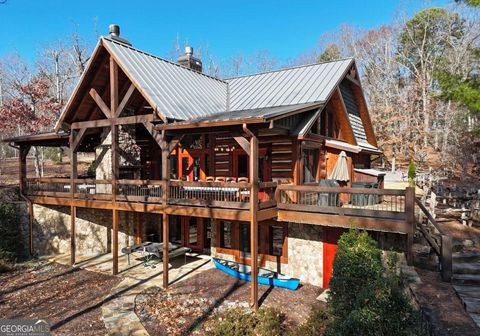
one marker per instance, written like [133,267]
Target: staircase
[466,281]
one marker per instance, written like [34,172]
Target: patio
[118,310]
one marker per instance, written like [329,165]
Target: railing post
[446,258]
[410,221]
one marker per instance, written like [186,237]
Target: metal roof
[175,91]
[305,84]
[263,114]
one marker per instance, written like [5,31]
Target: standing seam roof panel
[278,93]
[277,97]
[310,75]
[179,93]
[333,78]
[269,80]
[315,90]
[244,101]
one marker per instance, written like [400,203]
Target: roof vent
[114,34]
[189,61]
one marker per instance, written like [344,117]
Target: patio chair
[329,199]
[220,179]
[210,179]
[243,179]
[231,179]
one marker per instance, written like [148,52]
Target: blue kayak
[265,277]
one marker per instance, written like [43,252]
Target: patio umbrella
[340,171]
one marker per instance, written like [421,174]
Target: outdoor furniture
[231,179]
[364,199]
[210,179]
[149,249]
[220,179]
[243,180]
[329,199]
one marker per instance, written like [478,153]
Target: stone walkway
[118,311]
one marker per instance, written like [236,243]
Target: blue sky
[285,28]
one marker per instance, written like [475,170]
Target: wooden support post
[115,242]
[30,227]
[446,258]
[165,235]
[114,128]
[73,214]
[410,221]
[165,176]
[22,167]
[73,210]
[253,220]
[138,233]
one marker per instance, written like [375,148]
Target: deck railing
[212,194]
[363,202]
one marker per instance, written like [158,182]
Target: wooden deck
[371,209]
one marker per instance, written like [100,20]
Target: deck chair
[220,179]
[243,179]
[231,179]
[210,179]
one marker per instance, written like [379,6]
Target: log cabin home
[243,168]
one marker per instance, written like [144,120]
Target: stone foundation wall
[305,253]
[93,230]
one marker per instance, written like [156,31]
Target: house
[242,168]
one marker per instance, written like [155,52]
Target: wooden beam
[113,87]
[244,143]
[254,187]
[100,103]
[73,214]
[175,142]
[138,233]
[115,242]
[247,130]
[77,138]
[157,136]
[125,100]
[136,119]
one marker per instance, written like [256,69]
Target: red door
[331,237]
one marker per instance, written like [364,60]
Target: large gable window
[310,165]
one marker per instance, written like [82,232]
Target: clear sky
[227,28]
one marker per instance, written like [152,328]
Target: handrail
[209,184]
[429,216]
[442,249]
[312,188]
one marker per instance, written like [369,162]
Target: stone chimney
[189,61]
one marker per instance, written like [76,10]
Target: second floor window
[310,165]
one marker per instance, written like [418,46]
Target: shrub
[366,299]
[315,325]
[10,233]
[92,169]
[238,322]
[412,173]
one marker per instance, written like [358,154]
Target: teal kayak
[265,277]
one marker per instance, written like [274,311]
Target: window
[175,231]
[226,234]
[242,165]
[207,164]
[310,165]
[245,240]
[276,240]
[192,231]
[173,167]
[196,168]
[185,167]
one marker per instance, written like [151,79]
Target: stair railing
[442,247]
